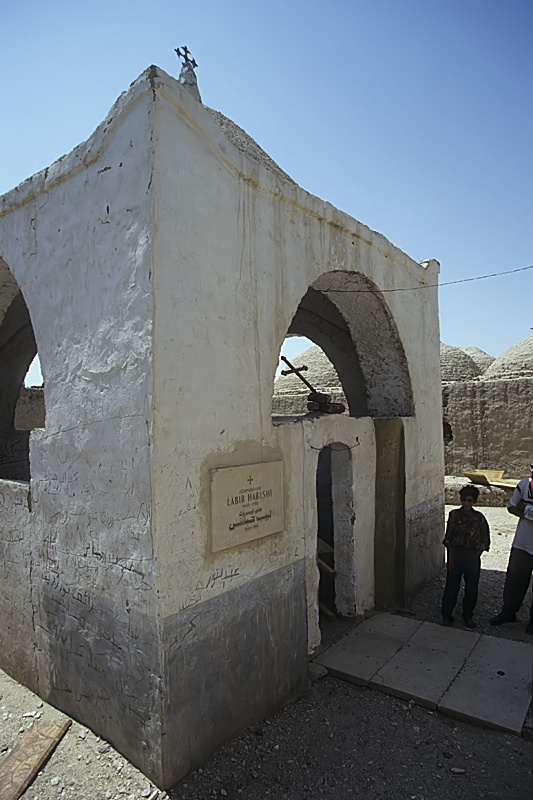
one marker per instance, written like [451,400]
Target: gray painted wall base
[229,662]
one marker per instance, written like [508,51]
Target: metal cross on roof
[185,56]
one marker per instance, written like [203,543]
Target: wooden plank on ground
[23,763]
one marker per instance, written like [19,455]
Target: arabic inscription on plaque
[246,503]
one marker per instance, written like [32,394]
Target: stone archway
[17,350]
[347,317]
[345,314]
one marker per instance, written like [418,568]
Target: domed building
[456,364]
[480,358]
[487,408]
[488,417]
[515,362]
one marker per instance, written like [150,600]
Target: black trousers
[467,565]
[517,581]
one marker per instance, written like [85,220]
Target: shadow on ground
[425,606]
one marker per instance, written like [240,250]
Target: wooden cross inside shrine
[316,401]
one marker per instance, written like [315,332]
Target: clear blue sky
[414,116]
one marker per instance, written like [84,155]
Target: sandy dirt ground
[337,740]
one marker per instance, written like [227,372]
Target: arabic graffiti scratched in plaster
[221,576]
[14,457]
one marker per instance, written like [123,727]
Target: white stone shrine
[159,536]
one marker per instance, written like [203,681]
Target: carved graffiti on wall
[14,457]
[426,524]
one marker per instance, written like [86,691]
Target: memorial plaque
[246,503]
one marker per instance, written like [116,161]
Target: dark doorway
[335,534]
[325,535]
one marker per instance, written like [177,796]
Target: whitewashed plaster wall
[77,238]
[172,266]
[223,305]
[17,542]
[358,435]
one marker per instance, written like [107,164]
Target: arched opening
[347,317]
[17,351]
[335,538]
[34,376]
[29,411]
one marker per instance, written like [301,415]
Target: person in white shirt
[520,565]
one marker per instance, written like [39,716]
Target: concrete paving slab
[426,665]
[360,654]
[494,686]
